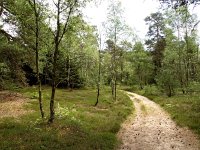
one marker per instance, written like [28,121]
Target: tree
[168,76]
[115,29]
[68,8]
[156,41]
[37,13]
[142,64]
[184,24]
[21,25]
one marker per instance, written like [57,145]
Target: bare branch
[196,24]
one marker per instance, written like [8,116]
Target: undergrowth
[78,124]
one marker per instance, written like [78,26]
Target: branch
[67,21]
[195,26]
[8,36]
[31,4]
[55,3]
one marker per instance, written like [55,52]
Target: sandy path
[152,129]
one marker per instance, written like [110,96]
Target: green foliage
[167,81]
[141,61]
[151,90]
[156,28]
[193,87]
[11,59]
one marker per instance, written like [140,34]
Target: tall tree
[37,14]
[156,41]
[115,29]
[167,78]
[64,11]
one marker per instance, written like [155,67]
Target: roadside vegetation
[183,108]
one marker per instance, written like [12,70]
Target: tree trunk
[99,75]
[115,98]
[68,73]
[40,98]
[112,76]
[53,86]
[187,50]
[52,111]
[98,93]
[37,57]
[121,66]
[115,66]
[170,91]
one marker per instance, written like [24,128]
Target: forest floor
[78,124]
[11,104]
[151,128]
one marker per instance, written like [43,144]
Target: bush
[193,87]
[151,90]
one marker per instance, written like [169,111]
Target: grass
[143,108]
[78,124]
[184,109]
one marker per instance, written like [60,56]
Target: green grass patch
[143,109]
[78,124]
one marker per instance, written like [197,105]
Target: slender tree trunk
[121,76]
[99,74]
[170,91]
[53,86]
[52,111]
[115,66]
[115,88]
[39,87]
[68,72]
[121,66]
[112,75]
[187,49]
[98,93]
[36,12]
[57,39]
[180,70]
[98,84]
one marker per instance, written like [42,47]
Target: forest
[63,81]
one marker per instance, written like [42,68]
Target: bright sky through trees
[135,12]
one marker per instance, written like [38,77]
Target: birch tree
[64,9]
[114,28]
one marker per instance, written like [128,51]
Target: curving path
[152,129]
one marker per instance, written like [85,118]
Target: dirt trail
[152,129]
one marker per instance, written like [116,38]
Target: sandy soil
[11,104]
[152,129]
